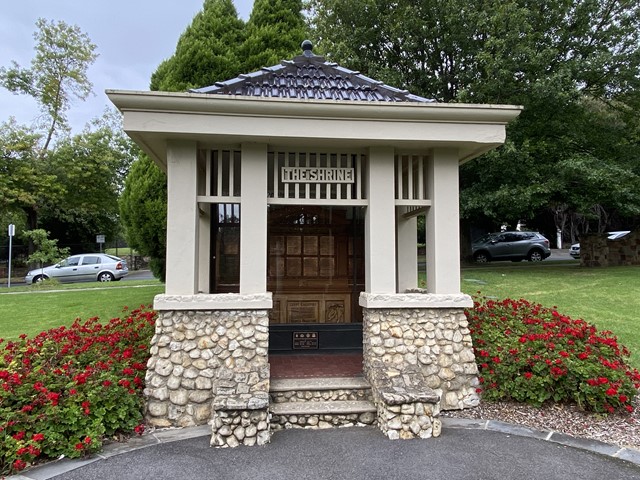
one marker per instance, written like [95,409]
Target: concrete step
[320,389]
[328,383]
[344,407]
[321,403]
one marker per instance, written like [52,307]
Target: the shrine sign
[317,175]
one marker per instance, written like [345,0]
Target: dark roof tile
[309,76]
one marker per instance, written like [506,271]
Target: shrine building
[293,199]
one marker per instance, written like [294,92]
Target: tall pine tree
[217,46]
[274,32]
[207,51]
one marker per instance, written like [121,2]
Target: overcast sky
[132,38]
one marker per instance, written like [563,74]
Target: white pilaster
[182,218]
[204,249]
[253,219]
[407,253]
[442,223]
[380,244]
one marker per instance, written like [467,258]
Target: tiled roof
[309,76]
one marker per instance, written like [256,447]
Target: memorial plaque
[311,245]
[310,267]
[294,267]
[327,267]
[294,245]
[276,245]
[305,340]
[276,266]
[303,311]
[326,245]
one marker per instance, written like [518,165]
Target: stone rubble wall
[241,406]
[409,420]
[191,355]
[435,340]
[407,407]
[232,428]
[318,421]
[211,366]
[321,395]
[599,251]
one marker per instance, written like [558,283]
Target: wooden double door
[315,264]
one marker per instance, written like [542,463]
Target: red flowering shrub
[66,389]
[528,353]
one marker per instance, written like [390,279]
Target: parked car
[515,246]
[574,251]
[86,267]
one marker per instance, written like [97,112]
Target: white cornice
[292,108]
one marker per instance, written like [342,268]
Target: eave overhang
[153,118]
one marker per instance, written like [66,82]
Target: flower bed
[65,390]
[528,353]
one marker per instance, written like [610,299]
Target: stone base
[319,421]
[232,428]
[406,406]
[427,332]
[200,355]
[409,420]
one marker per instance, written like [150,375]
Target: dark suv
[513,246]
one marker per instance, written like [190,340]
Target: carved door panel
[310,267]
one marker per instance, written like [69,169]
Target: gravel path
[617,429]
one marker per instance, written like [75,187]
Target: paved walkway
[467,449]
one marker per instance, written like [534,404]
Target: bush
[65,390]
[529,353]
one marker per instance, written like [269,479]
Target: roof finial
[307,48]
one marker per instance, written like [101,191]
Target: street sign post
[12,232]
[100,239]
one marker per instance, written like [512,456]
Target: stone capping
[318,384]
[415,298]
[255,401]
[396,386]
[218,301]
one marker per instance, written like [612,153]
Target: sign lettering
[305,340]
[317,175]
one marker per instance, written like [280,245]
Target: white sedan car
[86,267]
[574,251]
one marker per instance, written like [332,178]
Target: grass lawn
[607,297]
[119,251]
[31,310]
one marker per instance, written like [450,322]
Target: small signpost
[12,232]
[100,240]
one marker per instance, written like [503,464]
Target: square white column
[253,219]
[204,249]
[443,224]
[380,223]
[407,252]
[182,218]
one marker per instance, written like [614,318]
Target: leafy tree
[274,32]
[207,51]
[57,75]
[27,181]
[572,64]
[73,190]
[47,250]
[143,207]
[91,167]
